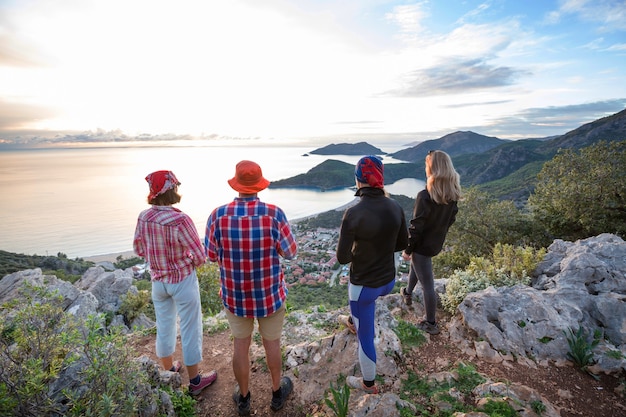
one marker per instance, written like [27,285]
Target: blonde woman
[434,212]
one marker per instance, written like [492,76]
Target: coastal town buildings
[316,262]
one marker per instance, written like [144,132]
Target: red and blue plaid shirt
[168,240]
[247,238]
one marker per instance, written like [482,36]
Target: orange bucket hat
[248,178]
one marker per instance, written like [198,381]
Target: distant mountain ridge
[361,148]
[610,128]
[507,169]
[457,143]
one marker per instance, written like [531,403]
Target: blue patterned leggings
[363,309]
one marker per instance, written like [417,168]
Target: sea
[84,201]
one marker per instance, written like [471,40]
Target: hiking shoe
[357,383]
[407,298]
[428,327]
[176,366]
[347,321]
[243,403]
[286,386]
[205,381]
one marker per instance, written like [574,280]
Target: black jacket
[371,232]
[430,224]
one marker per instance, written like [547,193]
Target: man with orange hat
[247,238]
[168,240]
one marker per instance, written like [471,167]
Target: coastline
[112,257]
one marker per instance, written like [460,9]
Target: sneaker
[357,383]
[176,366]
[347,321]
[407,298]
[428,327]
[205,381]
[243,403]
[286,386]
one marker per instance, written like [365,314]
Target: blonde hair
[442,181]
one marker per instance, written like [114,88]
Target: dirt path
[573,391]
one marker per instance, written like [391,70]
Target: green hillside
[505,169]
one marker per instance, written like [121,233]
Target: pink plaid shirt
[168,240]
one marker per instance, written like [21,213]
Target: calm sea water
[84,202]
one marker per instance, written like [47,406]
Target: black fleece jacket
[371,232]
[429,225]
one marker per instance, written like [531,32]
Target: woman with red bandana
[168,240]
[371,232]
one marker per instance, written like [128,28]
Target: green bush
[209,281]
[133,304]
[507,266]
[117,384]
[121,263]
[39,341]
[36,344]
[582,192]
[499,409]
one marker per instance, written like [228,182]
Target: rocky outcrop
[578,285]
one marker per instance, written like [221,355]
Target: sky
[308,69]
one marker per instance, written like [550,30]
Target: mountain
[498,162]
[510,170]
[327,175]
[610,128]
[361,148]
[457,143]
[338,174]
[507,169]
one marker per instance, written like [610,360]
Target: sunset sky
[289,69]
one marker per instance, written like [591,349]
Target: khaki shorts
[270,327]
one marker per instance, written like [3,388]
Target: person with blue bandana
[372,231]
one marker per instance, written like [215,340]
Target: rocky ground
[573,392]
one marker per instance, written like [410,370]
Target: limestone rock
[578,284]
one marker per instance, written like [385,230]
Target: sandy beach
[110,257]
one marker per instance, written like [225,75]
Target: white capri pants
[182,298]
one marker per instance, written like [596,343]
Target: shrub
[39,343]
[35,346]
[133,304]
[116,384]
[209,282]
[581,193]
[507,266]
[499,409]
[121,263]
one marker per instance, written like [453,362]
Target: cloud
[553,120]
[14,116]
[14,53]
[408,19]
[455,77]
[610,14]
[617,47]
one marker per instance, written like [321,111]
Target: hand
[406,256]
